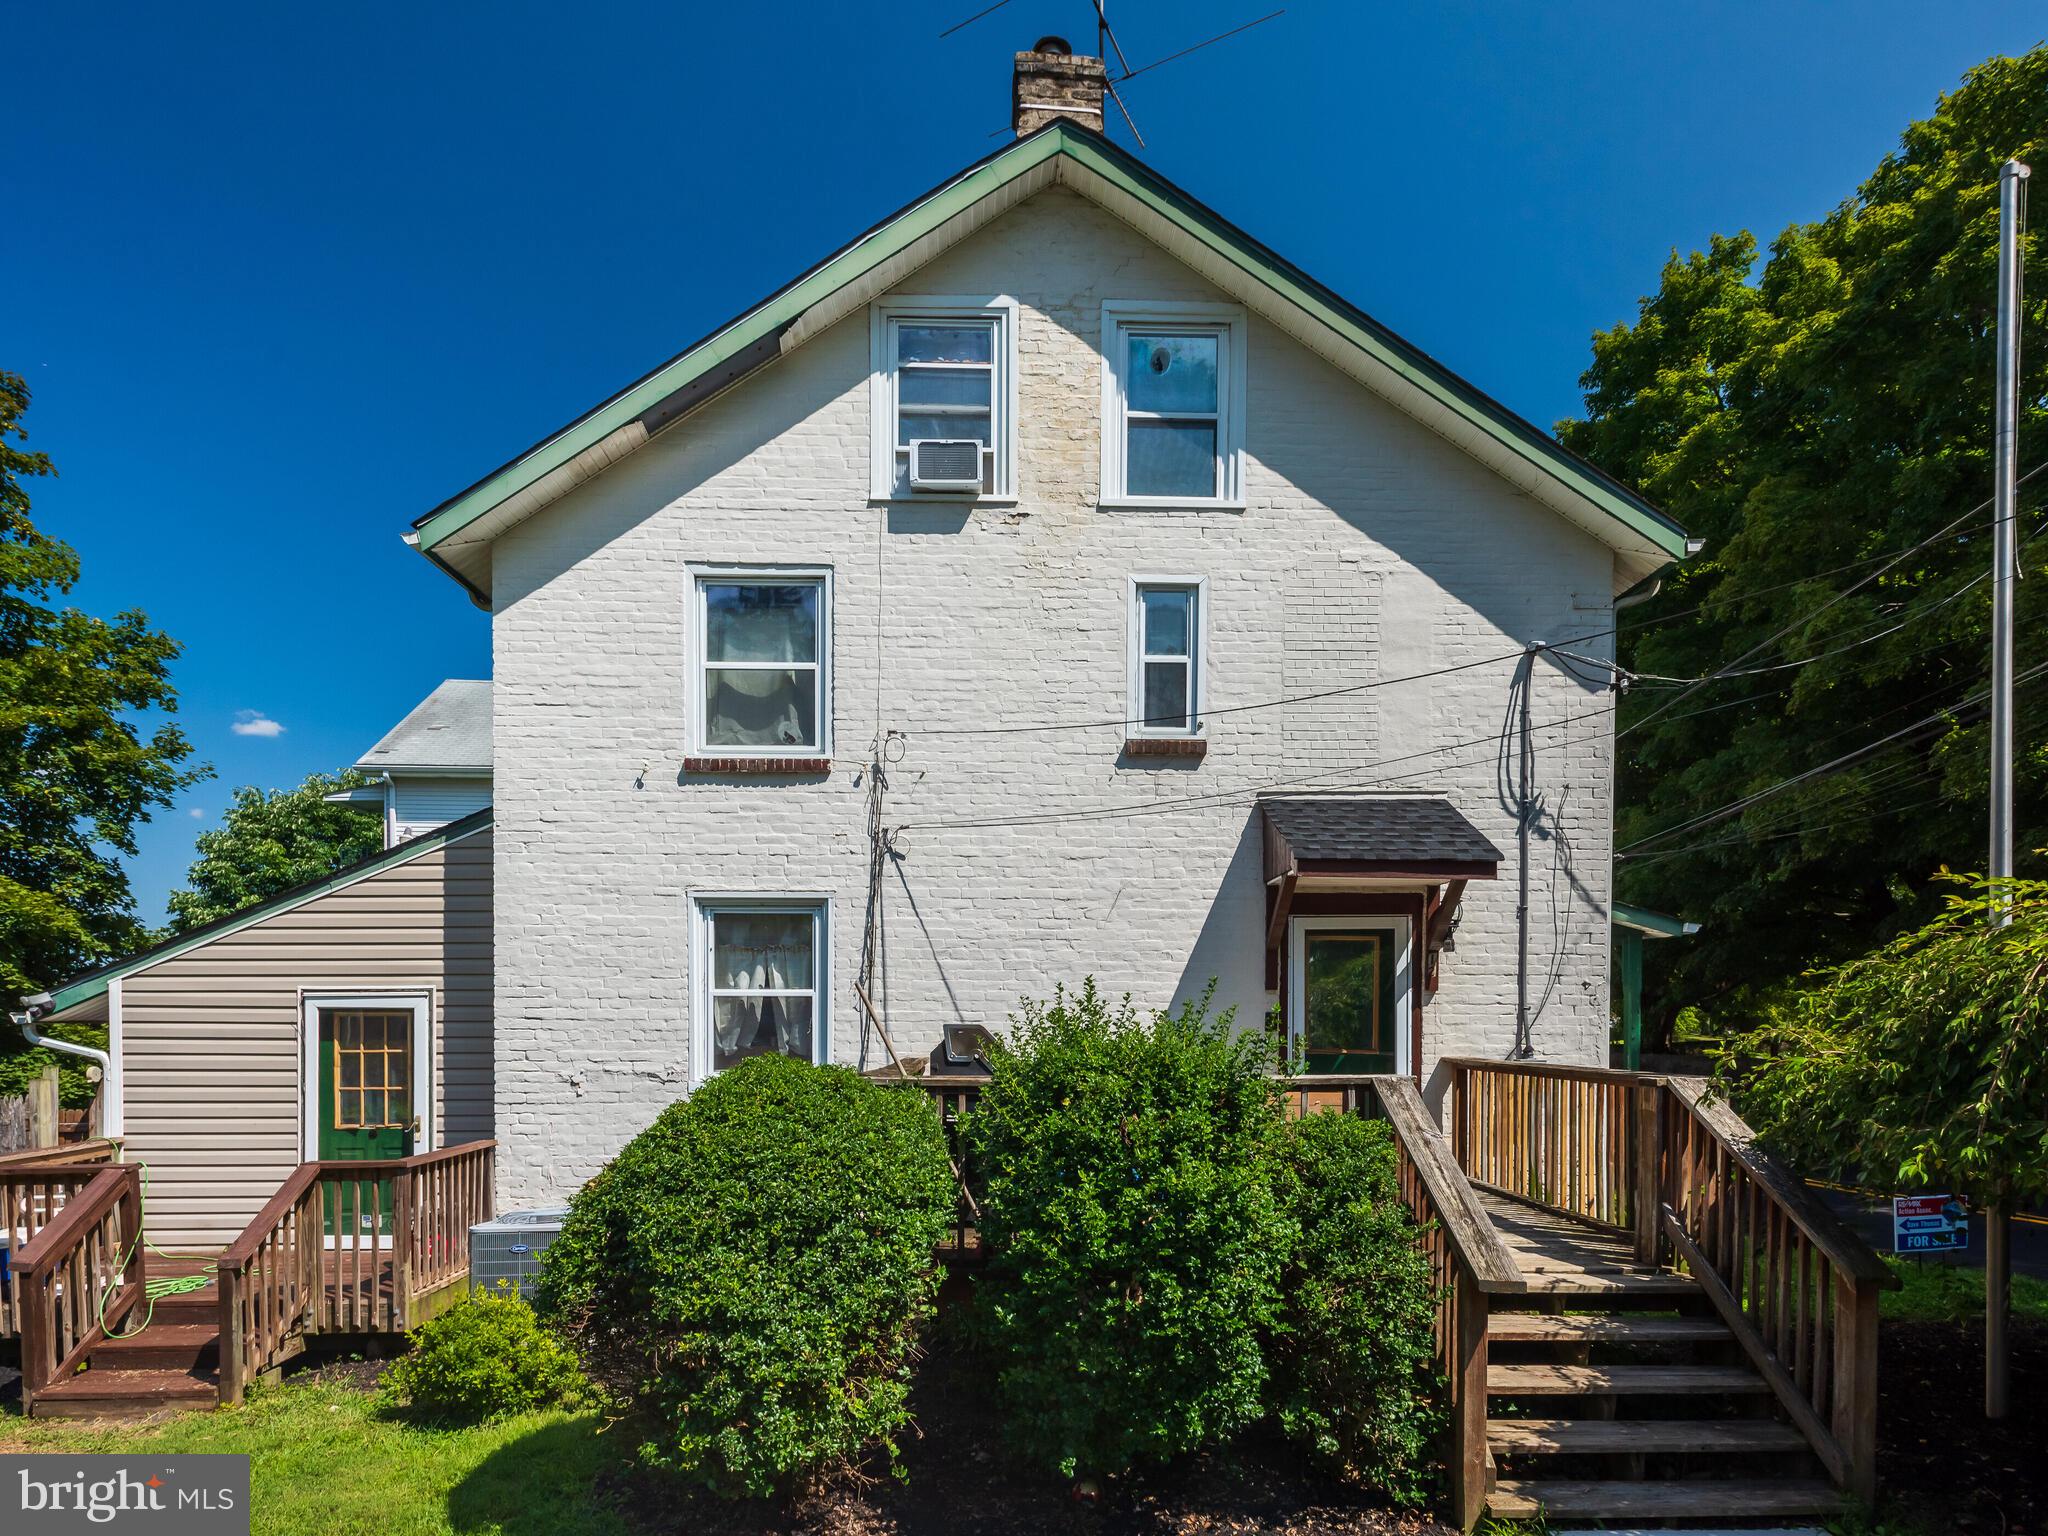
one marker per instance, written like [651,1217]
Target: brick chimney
[1052,81]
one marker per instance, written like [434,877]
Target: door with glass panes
[365,1107]
[1348,994]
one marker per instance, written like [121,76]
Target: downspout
[34,1008]
[1524,814]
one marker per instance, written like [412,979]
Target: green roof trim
[83,989]
[1089,150]
[1655,925]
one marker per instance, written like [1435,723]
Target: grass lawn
[1944,1293]
[325,1463]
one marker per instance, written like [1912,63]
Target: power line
[984,11]
[1736,807]
[1840,597]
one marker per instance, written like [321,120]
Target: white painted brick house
[663,853]
[1207,675]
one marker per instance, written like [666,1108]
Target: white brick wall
[1370,549]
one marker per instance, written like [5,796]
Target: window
[1166,655]
[762,965]
[944,368]
[762,639]
[1173,404]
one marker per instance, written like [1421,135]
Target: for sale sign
[1929,1224]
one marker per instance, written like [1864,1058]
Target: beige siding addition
[210,1039]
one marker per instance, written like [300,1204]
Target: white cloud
[253,722]
[197,813]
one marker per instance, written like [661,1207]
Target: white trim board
[1404,980]
[420,1000]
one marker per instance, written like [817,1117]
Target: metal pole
[2012,178]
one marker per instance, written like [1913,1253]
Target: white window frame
[700,654]
[1135,723]
[1227,322]
[1297,980]
[421,1002]
[704,908]
[884,315]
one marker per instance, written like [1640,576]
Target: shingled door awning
[1335,843]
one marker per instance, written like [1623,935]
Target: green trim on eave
[928,214]
[1655,925]
[84,989]
[1132,177]
[1424,372]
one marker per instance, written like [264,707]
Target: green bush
[487,1357]
[753,1268]
[1137,1242]
[1352,1375]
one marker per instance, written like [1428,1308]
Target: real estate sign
[1929,1224]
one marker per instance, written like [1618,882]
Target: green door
[366,1109]
[1349,1016]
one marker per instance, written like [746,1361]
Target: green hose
[153,1291]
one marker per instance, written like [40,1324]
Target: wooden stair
[173,1363]
[1618,1395]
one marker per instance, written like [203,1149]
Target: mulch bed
[962,1479]
[1940,1462]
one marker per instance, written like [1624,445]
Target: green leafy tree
[77,771]
[1826,411]
[1924,1063]
[271,841]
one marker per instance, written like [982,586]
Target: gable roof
[448,731]
[93,984]
[456,535]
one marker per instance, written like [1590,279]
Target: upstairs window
[1173,405]
[944,370]
[762,638]
[1166,656]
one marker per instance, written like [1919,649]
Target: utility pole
[2012,191]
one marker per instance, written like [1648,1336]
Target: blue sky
[283,277]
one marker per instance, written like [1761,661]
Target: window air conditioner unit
[945,464]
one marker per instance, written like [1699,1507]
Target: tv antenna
[1107,44]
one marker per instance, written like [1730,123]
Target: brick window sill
[759,767]
[1166,746]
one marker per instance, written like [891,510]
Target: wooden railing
[79,1275]
[348,1247]
[1648,1155]
[953,1097]
[76,1154]
[1799,1289]
[1563,1137]
[34,1187]
[1468,1263]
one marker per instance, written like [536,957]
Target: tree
[271,841]
[76,773]
[1925,1062]
[1810,421]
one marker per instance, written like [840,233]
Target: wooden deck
[1564,1257]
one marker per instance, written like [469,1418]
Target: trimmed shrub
[1352,1381]
[752,1270]
[1136,1239]
[487,1357]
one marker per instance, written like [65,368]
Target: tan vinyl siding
[210,1038]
